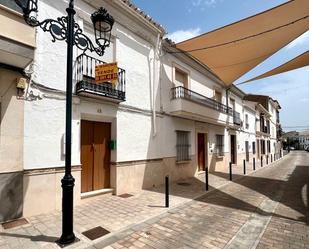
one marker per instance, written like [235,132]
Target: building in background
[296,140]
[267,126]
[303,140]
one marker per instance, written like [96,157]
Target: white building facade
[166,115]
[303,138]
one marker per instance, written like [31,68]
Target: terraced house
[167,114]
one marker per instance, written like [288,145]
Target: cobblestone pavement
[142,221]
[268,209]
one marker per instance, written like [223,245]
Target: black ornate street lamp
[66,29]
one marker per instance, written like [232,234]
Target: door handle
[93,148]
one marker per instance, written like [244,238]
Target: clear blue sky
[183,19]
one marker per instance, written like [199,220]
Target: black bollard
[261,161]
[231,171]
[253,163]
[167,197]
[206,178]
[244,167]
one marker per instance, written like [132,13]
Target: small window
[183,146]
[268,146]
[247,121]
[220,145]
[181,78]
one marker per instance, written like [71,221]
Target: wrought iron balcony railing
[184,93]
[85,75]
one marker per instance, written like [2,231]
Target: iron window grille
[183,146]
[220,145]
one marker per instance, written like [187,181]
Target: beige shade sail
[234,50]
[296,63]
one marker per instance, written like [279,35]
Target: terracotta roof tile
[143,14]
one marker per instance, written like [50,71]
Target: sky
[183,19]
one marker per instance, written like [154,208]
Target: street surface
[266,210]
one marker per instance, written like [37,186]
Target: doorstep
[105,191]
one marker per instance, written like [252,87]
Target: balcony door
[201,151]
[95,155]
[181,78]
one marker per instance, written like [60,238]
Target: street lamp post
[66,29]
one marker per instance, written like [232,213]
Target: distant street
[268,209]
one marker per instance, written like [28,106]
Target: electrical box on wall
[113,145]
[21,83]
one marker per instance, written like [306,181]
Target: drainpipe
[154,85]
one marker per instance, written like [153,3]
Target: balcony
[86,85]
[190,104]
[17,39]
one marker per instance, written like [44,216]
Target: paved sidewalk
[267,210]
[113,213]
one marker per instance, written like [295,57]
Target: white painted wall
[11,123]
[45,118]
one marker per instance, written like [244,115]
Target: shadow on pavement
[295,192]
[37,238]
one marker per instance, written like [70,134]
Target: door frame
[113,154]
[206,142]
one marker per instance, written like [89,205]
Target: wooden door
[87,156]
[95,155]
[101,168]
[233,149]
[201,151]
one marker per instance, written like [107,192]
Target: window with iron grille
[183,146]
[220,145]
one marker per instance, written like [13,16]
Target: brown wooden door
[102,137]
[95,155]
[87,155]
[233,149]
[201,151]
